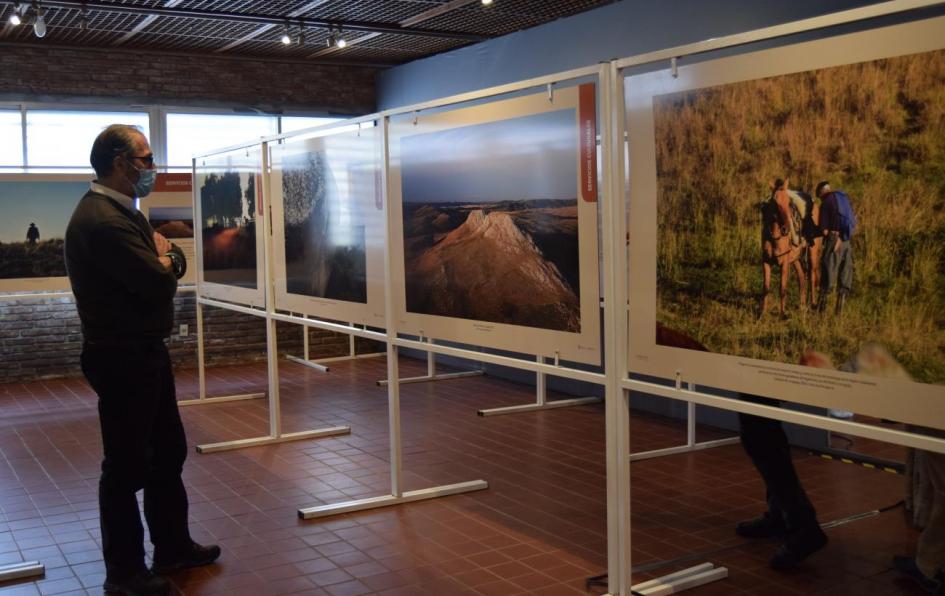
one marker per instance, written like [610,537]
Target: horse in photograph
[782,242]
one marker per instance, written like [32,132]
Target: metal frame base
[558,403]
[674,583]
[388,500]
[683,448]
[435,377]
[317,364]
[271,440]
[21,570]
[221,399]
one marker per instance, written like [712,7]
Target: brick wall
[39,72]
[41,338]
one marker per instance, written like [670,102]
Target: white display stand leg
[21,570]
[397,494]
[432,375]
[319,364]
[201,373]
[691,443]
[541,399]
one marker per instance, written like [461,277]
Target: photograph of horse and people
[802,217]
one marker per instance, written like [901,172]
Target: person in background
[32,234]
[837,223]
[124,278]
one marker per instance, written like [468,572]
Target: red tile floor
[538,529]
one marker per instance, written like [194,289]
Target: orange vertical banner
[587,116]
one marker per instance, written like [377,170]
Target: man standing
[32,234]
[837,223]
[124,277]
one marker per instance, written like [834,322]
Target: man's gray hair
[117,139]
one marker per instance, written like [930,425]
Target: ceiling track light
[15,16]
[39,22]
[285,35]
[486,2]
[301,38]
[84,18]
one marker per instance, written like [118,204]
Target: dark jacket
[122,291]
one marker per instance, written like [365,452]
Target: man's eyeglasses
[148,160]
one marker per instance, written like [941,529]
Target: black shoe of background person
[143,583]
[797,547]
[763,526]
[906,566]
[195,556]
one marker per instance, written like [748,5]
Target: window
[11,149]
[64,138]
[189,134]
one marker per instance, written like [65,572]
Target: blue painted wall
[625,28]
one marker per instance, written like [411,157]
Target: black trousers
[145,448]
[767,446]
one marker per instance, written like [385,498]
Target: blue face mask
[145,183]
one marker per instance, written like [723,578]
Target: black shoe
[906,566]
[797,547]
[143,583]
[195,556]
[764,526]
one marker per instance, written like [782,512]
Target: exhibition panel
[328,224]
[227,203]
[170,211]
[493,213]
[715,206]
[36,210]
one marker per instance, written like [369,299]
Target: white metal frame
[691,443]
[541,399]
[275,411]
[321,364]
[617,338]
[432,375]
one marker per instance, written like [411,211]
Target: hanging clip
[359,129]
[415,118]
[678,380]
[674,67]
[557,358]
[551,93]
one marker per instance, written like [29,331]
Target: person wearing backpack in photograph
[838,223]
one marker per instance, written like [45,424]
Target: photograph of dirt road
[491,221]
[739,201]
[35,216]
[324,228]
[228,213]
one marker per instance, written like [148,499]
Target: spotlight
[341,43]
[301,39]
[39,24]
[486,2]
[84,19]
[285,35]
[15,17]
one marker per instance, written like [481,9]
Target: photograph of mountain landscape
[35,216]
[324,228]
[172,222]
[874,130]
[490,221]
[228,222]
